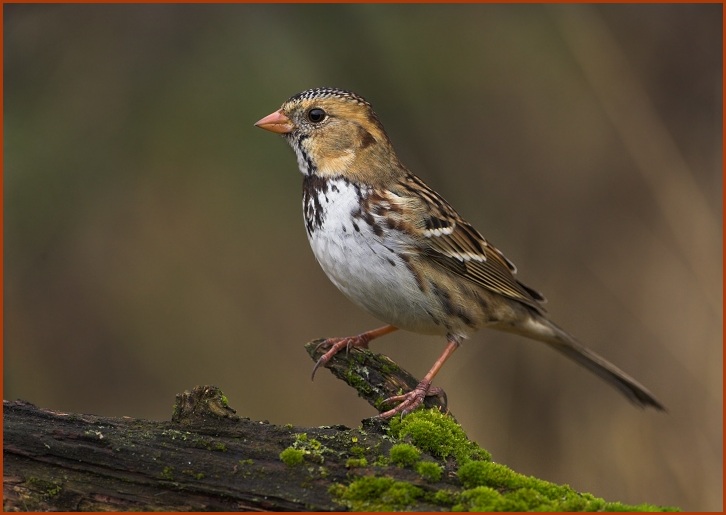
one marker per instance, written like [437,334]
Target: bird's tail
[544,330]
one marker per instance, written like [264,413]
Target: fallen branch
[374,376]
[209,458]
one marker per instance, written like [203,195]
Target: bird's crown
[327,92]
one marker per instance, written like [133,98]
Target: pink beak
[276,122]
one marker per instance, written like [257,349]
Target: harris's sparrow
[397,249]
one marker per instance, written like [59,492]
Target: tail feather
[546,331]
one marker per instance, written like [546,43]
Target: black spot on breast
[314,189]
[371,221]
[369,203]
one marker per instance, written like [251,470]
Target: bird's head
[334,133]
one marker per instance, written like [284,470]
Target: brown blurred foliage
[154,240]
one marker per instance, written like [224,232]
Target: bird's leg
[413,399]
[337,344]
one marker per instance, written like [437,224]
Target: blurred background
[154,238]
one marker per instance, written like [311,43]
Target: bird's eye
[316,115]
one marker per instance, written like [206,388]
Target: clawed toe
[336,345]
[408,402]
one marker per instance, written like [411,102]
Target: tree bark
[205,458]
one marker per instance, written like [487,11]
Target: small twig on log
[374,376]
[201,404]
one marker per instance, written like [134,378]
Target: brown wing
[453,243]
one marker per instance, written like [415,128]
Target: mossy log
[207,458]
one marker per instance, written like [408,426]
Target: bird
[397,249]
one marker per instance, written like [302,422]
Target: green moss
[616,506]
[53,491]
[481,498]
[337,490]
[210,445]
[317,471]
[292,457]
[484,498]
[438,434]
[352,463]
[495,487]
[404,454]
[388,369]
[551,490]
[47,488]
[167,473]
[195,475]
[486,473]
[429,470]
[381,461]
[354,379]
[485,485]
[357,451]
[310,448]
[445,498]
[377,494]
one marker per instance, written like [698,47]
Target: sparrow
[397,249]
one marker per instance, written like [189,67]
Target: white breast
[367,267]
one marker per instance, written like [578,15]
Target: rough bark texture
[374,376]
[205,458]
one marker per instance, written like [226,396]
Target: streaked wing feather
[455,245]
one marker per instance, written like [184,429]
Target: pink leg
[413,399]
[337,344]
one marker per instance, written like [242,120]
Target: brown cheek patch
[366,138]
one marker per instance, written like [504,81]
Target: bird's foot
[408,402]
[338,344]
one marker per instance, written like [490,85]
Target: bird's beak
[276,122]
